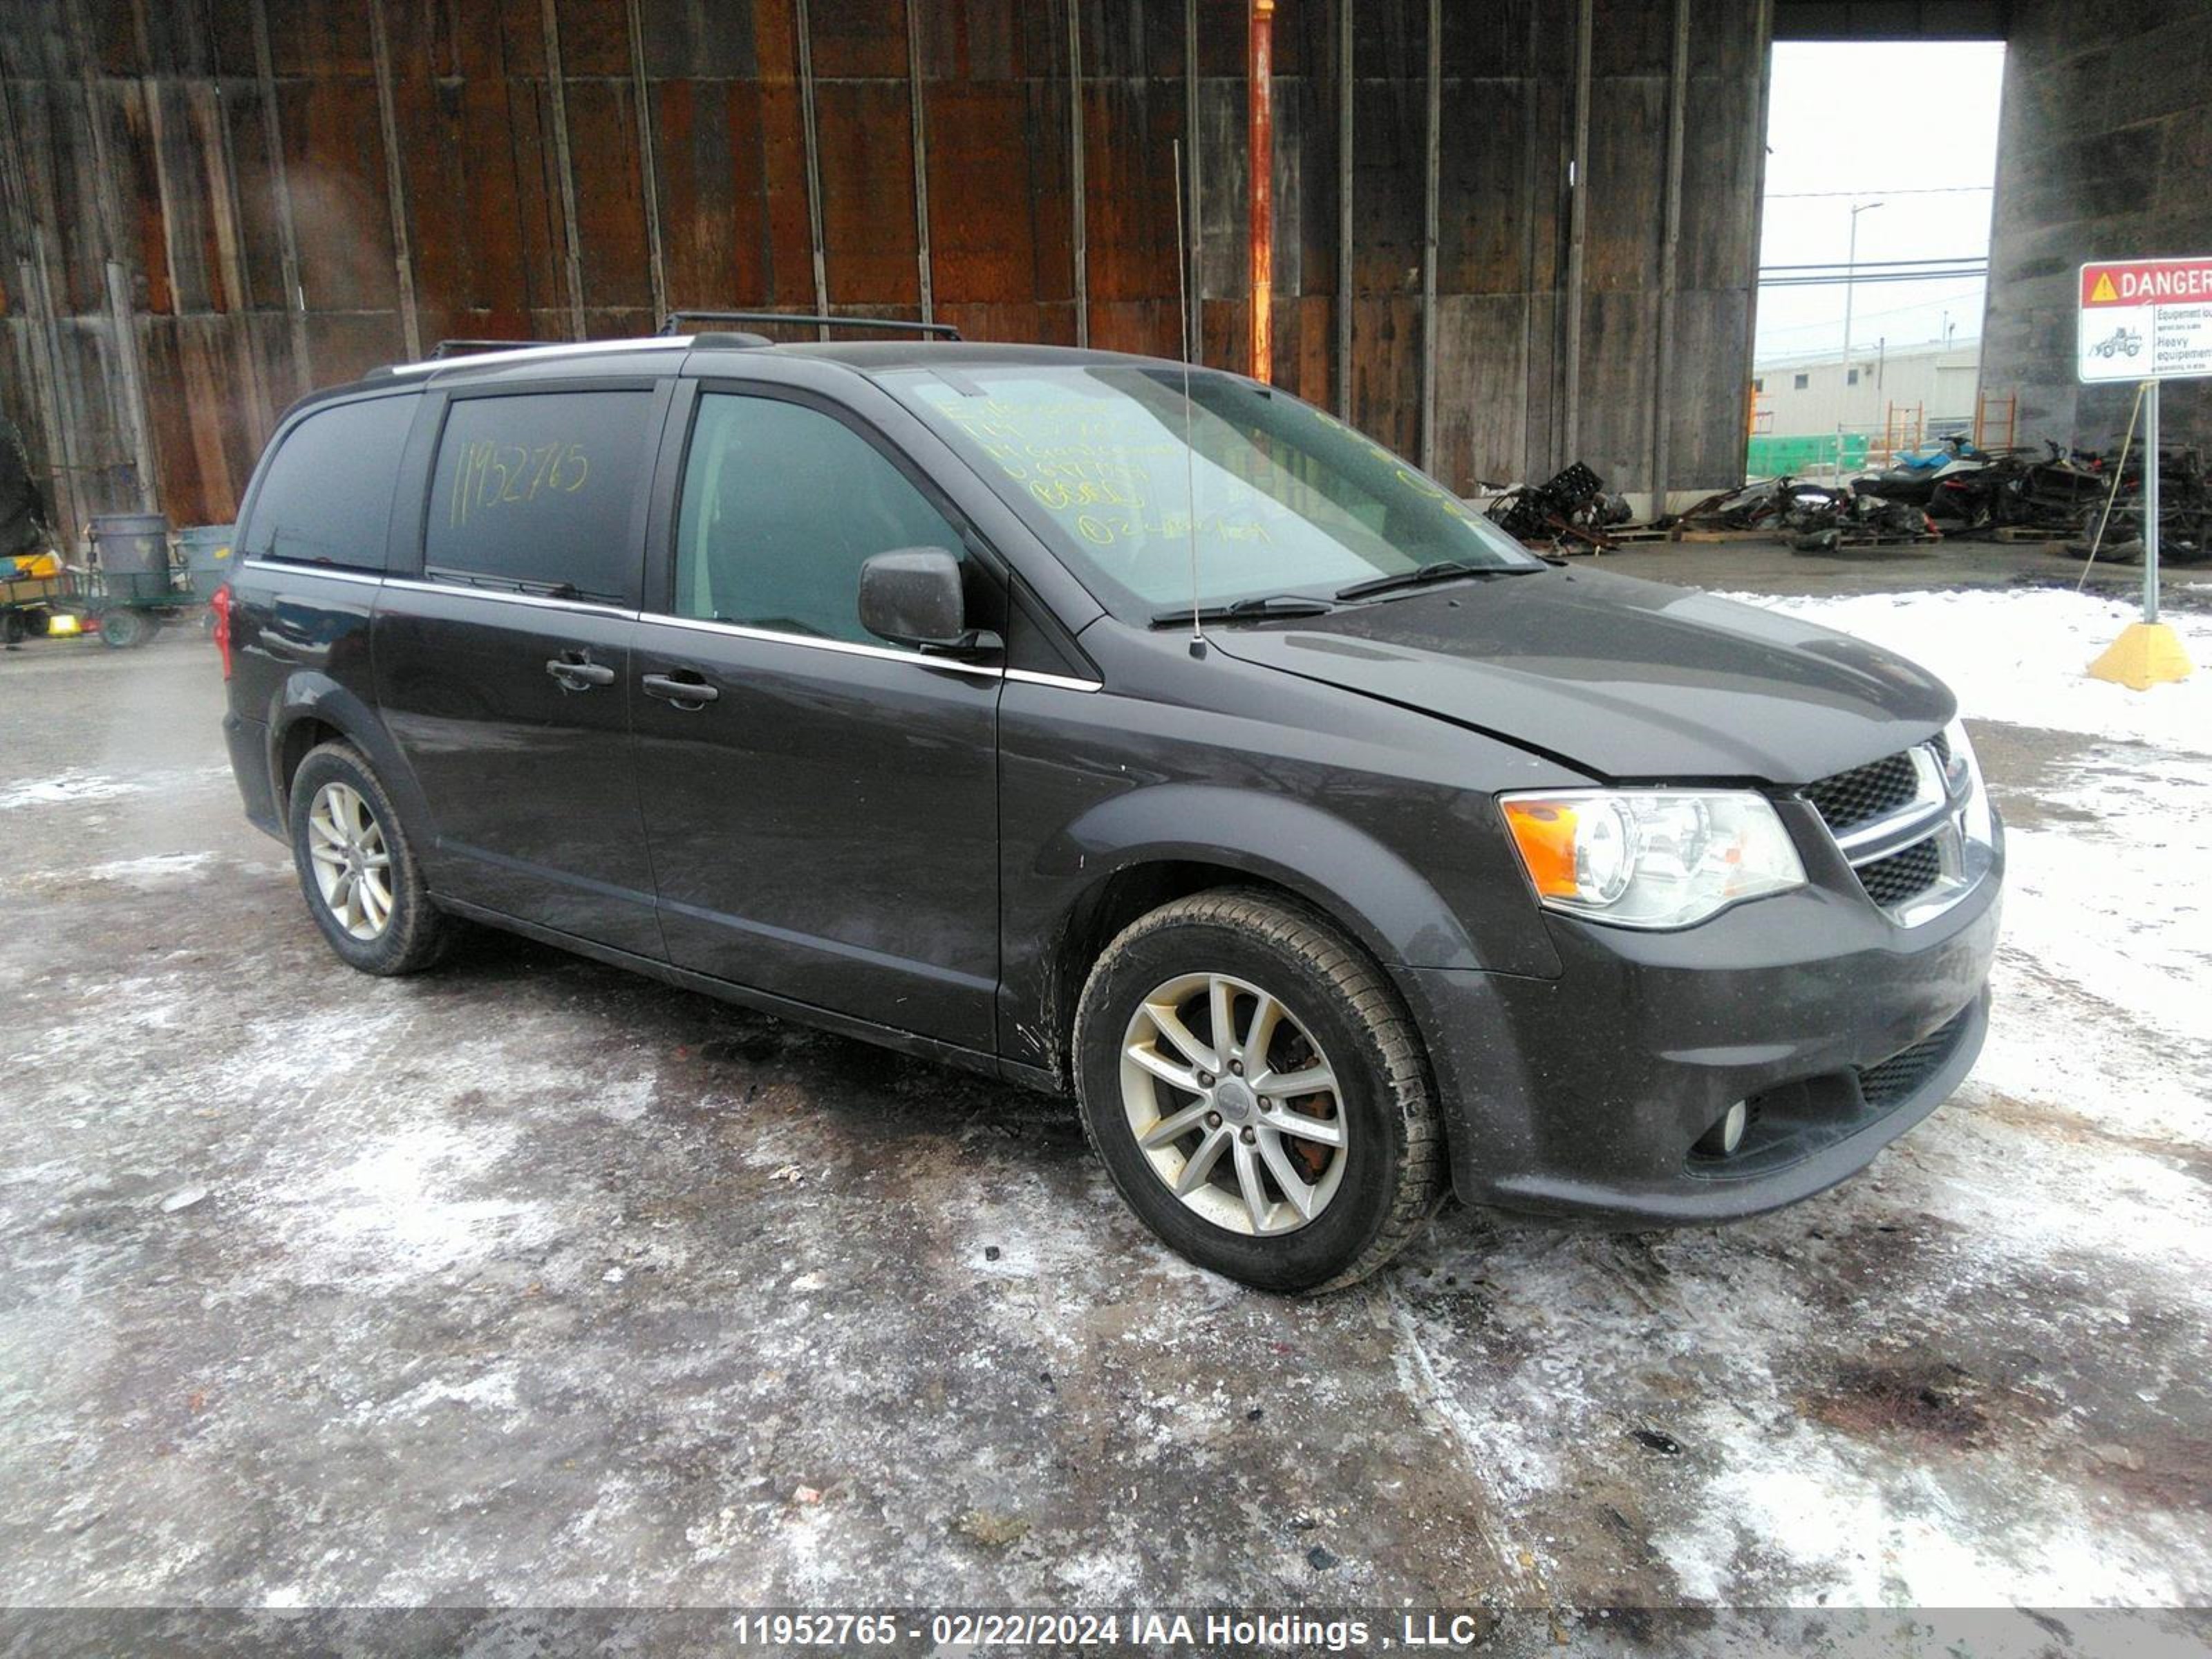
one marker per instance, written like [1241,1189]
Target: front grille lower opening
[1902,876]
[1892,1080]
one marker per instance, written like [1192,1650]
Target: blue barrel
[206,552]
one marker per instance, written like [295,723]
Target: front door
[504,668]
[822,805]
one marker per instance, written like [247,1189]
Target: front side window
[327,495]
[782,504]
[539,491]
[1135,485]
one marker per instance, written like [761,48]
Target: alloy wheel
[351,860]
[1233,1103]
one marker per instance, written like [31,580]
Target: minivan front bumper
[1585,1094]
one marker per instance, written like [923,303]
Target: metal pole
[395,182]
[136,417]
[1850,277]
[1850,270]
[648,167]
[1193,347]
[1080,224]
[1578,168]
[287,234]
[813,140]
[1259,72]
[557,96]
[1670,244]
[1433,165]
[921,162]
[1344,113]
[2150,501]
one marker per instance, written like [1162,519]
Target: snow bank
[2018,655]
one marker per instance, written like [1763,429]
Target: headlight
[1650,858]
[1963,772]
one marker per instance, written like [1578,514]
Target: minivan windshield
[1117,471]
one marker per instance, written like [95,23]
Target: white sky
[1912,126]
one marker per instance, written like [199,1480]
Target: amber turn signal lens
[1544,832]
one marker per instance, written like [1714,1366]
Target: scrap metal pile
[1954,488]
[1573,507]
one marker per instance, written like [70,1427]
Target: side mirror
[913,596]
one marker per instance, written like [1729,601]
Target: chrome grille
[1890,819]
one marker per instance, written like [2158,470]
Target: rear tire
[1289,1189]
[357,869]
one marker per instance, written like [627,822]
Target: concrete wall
[206,208]
[2105,151]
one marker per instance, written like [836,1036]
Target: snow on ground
[2016,654]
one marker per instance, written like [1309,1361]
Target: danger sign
[2144,319]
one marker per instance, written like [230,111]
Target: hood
[1619,677]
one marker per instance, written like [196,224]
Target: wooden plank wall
[229,159]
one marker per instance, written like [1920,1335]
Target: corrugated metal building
[213,204]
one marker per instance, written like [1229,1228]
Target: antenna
[1189,462]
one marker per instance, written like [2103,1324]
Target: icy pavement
[531,1283]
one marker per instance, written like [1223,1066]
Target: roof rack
[676,321]
[472,348]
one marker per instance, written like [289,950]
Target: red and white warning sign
[2146,319]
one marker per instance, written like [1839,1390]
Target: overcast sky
[1911,126]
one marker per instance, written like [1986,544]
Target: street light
[1851,266]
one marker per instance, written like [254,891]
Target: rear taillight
[219,607]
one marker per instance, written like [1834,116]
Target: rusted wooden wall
[211,205]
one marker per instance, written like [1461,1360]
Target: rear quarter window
[326,496]
[539,490]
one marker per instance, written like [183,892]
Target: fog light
[1725,1136]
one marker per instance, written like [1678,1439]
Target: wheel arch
[312,708]
[1132,855]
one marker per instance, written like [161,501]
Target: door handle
[684,689]
[571,673]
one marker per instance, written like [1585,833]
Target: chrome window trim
[845,647]
[542,353]
[503,596]
[369,578]
[737,630]
[1063,682]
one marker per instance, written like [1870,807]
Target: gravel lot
[531,1283]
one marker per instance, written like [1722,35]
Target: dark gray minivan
[1116,727]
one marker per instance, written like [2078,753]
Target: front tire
[1257,1092]
[357,869]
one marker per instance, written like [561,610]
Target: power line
[1918,190]
[1879,264]
[1978,272]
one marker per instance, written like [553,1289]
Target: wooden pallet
[1760,535]
[1632,534]
[2014,534]
[1918,538]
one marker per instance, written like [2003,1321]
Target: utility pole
[1850,268]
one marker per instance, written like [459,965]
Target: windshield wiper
[1442,570]
[1275,605]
